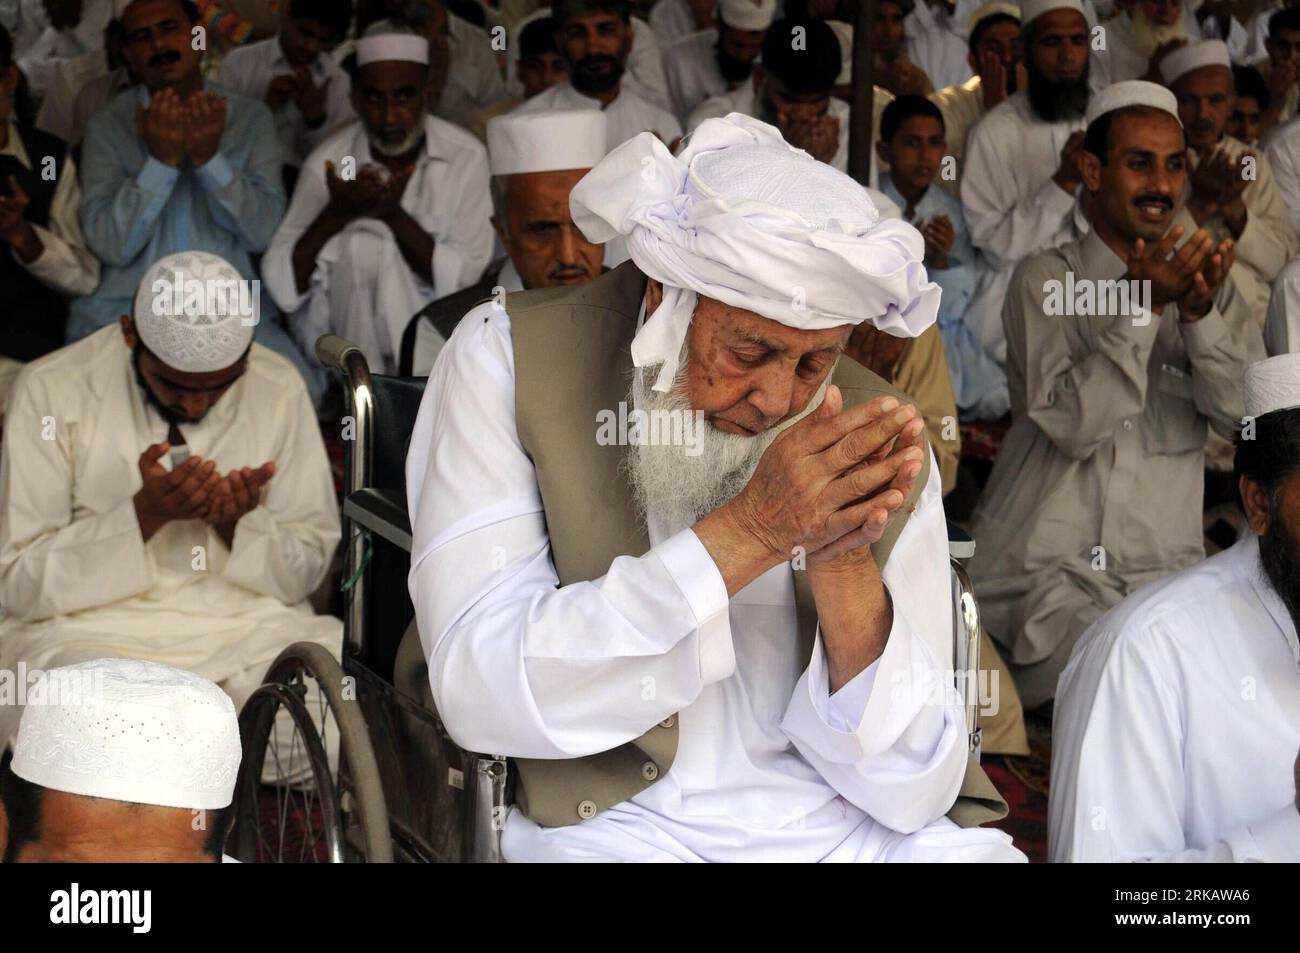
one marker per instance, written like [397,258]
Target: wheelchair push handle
[333,351]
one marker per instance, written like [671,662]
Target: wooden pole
[861,105]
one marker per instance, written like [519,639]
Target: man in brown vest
[674,558]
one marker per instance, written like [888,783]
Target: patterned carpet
[1023,782]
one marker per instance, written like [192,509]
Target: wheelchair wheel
[309,789]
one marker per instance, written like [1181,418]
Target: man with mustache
[595,39]
[536,159]
[1138,38]
[714,61]
[1232,192]
[703,643]
[176,164]
[1097,486]
[1021,173]
[165,492]
[390,212]
[1178,718]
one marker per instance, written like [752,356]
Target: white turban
[747,14]
[1273,384]
[744,218]
[130,730]
[549,140]
[1129,93]
[196,312]
[1031,10]
[1193,56]
[997,8]
[385,41]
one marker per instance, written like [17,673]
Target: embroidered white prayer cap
[1031,10]
[747,14]
[1129,93]
[1273,384]
[997,8]
[196,312]
[844,33]
[130,730]
[1194,56]
[742,217]
[550,140]
[387,41]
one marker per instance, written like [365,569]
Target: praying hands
[173,129]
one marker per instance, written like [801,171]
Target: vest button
[586,809]
[668,722]
[649,770]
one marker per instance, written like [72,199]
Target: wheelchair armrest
[383,512]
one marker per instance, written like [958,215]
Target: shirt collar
[1097,260]
[508,277]
[434,148]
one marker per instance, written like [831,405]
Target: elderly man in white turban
[1021,173]
[1232,192]
[536,159]
[1120,354]
[164,492]
[717,60]
[699,612]
[120,761]
[1178,718]
[389,213]
[1138,38]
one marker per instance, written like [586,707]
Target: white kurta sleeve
[893,739]
[283,547]
[65,264]
[519,665]
[54,560]
[310,195]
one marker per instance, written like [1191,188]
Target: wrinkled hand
[1210,178]
[818,136]
[310,98]
[280,90]
[181,494]
[1199,299]
[12,209]
[993,79]
[1171,277]
[162,127]
[389,202]
[1067,174]
[239,492]
[355,198]
[829,479]
[939,235]
[909,78]
[205,121]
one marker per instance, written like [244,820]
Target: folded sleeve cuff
[156,177]
[216,173]
[700,582]
[1203,336]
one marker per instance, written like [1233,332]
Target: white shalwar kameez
[769,766]
[1177,724]
[77,580]
[362,287]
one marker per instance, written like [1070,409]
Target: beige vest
[572,350]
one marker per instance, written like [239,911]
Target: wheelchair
[370,774]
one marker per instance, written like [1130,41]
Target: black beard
[733,70]
[1279,552]
[586,81]
[169,414]
[1057,102]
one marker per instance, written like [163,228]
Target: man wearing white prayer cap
[1118,361]
[164,492]
[595,37]
[1233,192]
[715,61]
[535,159]
[695,636]
[75,28]
[120,760]
[1138,38]
[390,212]
[1020,173]
[1178,719]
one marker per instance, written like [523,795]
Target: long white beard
[402,148]
[681,484]
[1147,38]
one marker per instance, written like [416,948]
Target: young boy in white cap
[164,492]
[120,761]
[1178,718]
[390,212]
[715,61]
[536,159]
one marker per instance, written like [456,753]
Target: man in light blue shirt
[912,143]
[173,165]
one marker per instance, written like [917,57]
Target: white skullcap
[196,312]
[1031,10]
[995,9]
[1273,384]
[844,33]
[545,141]
[742,217]
[386,41]
[130,730]
[1193,56]
[1131,92]
[747,14]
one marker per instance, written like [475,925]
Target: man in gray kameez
[1098,486]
